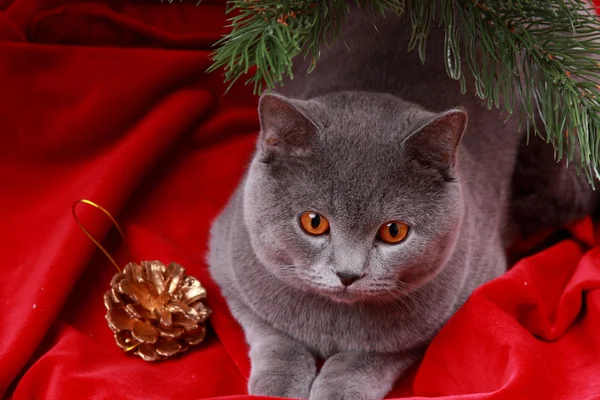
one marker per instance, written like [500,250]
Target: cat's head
[354,195]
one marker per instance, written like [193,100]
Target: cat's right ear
[436,143]
[284,129]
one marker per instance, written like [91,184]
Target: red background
[109,101]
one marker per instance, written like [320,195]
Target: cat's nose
[348,279]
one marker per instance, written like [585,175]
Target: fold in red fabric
[110,101]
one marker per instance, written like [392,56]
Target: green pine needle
[541,53]
[544,53]
[268,34]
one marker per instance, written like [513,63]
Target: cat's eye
[314,223]
[393,232]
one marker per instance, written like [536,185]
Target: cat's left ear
[284,128]
[436,143]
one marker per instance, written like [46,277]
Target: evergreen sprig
[542,53]
[268,34]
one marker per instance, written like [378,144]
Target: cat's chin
[346,296]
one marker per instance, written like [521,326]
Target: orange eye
[393,232]
[314,223]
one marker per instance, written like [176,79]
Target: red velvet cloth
[109,101]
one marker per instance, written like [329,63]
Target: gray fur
[350,141]
[547,194]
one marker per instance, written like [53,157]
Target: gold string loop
[89,235]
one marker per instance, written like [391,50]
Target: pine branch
[548,53]
[547,50]
[268,34]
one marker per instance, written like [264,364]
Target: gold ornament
[155,311]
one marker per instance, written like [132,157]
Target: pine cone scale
[180,308]
[176,273]
[196,337]
[167,348]
[124,340]
[155,276]
[182,322]
[117,318]
[137,292]
[147,352]
[171,332]
[193,291]
[166,319]
[115,295]
[144,332]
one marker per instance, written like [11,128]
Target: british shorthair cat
[378,199]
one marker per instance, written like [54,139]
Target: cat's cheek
[313,246]
[309,247]
[268,246]
[417,277]
[406,263]
[289,255]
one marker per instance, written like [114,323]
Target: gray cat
[378,199]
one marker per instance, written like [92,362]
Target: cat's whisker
[394,299]
[411,285]
[418,295]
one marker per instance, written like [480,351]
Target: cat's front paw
[356,376]
[339,390]
[280,366]
[282,384]
[330,394]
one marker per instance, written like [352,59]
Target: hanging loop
[89,235]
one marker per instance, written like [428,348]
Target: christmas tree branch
[544,54]
[541,53]
[268,34]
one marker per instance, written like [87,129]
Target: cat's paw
[356,376]
[333,394]
[338,389]
[280,385]
[280,365]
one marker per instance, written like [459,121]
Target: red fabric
[110,102]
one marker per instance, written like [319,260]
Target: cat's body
[362,157]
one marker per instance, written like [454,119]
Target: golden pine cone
[156,310]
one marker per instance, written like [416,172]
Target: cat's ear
[435,144]
[284,128]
